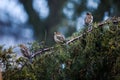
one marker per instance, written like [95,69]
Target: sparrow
[59,38]
[88,20]
[24,50]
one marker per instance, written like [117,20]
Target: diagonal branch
[109,20]
[42,51]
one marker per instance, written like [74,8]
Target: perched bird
[88,20]
[24,50]
[59,38]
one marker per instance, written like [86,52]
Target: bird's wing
[91,18]
[25,51]
[60,37]
[86,20]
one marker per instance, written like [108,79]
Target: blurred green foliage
[95,56]
[43,29]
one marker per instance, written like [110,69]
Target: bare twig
[109,20]
[74,39]
[42,51]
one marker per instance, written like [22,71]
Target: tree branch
[113,20]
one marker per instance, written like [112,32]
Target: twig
[109,20]
[74,39]
[41,51]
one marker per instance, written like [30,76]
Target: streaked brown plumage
[59,38]
[88,19]
[24,50]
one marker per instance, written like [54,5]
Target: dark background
[24,21]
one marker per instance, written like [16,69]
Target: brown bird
[88,18]
[59,38]
[24,50]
